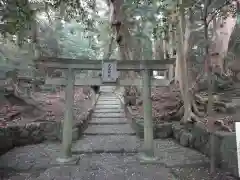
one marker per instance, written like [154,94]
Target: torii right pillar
[147,156]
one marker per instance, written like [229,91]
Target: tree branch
[214,13]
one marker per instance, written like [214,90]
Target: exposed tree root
[194,115]
[218,104]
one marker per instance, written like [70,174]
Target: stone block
[163,130]
[228,153]
[130,100]
[177,130]
[75,135]
[200,137]
[185,138]
[51,130]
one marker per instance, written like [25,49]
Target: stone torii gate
[109,77]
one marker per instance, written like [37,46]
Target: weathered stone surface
[76,134]
[42,157]
[109,129]
[199,173]
[113,143]
[106,167]
[177,130]
[198,138]
[184,138]
[163,130]
[32,133]
[108,99]
[228,153]
[173,154]
[99,106]
[108,121]
[108,102]
[39,161]
[108,115]
[108,111]
[160,130]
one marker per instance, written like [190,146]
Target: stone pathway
[108,150]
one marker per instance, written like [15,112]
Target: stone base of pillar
[145,159]
[68,160]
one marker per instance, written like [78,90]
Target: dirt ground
[166,102]
[49,107]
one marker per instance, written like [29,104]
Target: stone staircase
[108,131]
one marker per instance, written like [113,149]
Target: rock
[130,100]
[139,102]
[231,107]
[50,130]
[177,130]
[32,126]
[163,130]
[75,134]
[200,137]
[37,136]
[228,153]
[24,133]
[184,138]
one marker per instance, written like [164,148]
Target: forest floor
[48,107]
[166,102]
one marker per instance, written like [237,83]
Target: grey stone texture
[36,132]
[110,144]
[115,102]
[109,129]
[99,121]
[108,106]
[108,111]
[109,157]
[108,115]
[197,137]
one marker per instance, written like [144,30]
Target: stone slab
[37,162]
[108,102]
[108,115]
[107,167]
[108,96]
[108,121]
[109,130]
[173,154]
[109,111]
[109,144]
[118,106]
[108,99]
[199,173]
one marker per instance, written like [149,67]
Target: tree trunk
[123,37]
[182,49]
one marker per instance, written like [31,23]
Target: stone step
[108,111]
[108,99]
[108,115]
[108,121]
[107,144]
[108,102]
[107,106]
[120,129]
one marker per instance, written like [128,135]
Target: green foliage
[16,15]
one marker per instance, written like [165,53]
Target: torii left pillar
[67,127]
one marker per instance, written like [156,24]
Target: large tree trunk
[181,58]
[123,37]
[221,37]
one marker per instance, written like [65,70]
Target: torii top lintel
[88,64]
